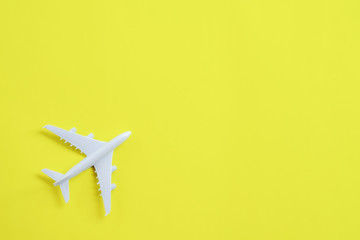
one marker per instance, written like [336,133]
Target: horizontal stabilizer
[64,186]
[65,190]
[54,175]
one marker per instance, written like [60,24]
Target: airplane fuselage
[93,158]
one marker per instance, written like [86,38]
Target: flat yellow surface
[245,118]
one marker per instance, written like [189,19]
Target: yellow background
[245,118]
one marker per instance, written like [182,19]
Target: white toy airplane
[99,154]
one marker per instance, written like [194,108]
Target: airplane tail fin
[64,186]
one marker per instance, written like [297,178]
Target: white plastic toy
[99,154]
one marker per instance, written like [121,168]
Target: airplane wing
[103,170]
[86,144]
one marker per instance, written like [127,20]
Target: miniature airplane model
[99,154]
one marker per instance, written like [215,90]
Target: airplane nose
[126,134]
[122,137]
